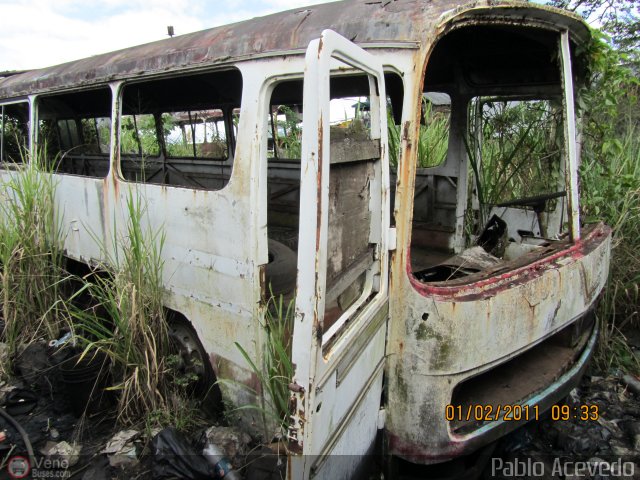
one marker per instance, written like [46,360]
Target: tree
[620,19]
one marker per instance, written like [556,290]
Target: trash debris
[266,463]
[232,441]
[5,389]
[62,340]
[174,456]
[98,469]
[221,464]
[62,450]
[494,237]
[614,434]
[20,401]
[85,378]
[121,449]
[30,362]
[633,383]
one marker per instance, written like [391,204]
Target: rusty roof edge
[508,9]
[220,63]
[10,73]
[401,22]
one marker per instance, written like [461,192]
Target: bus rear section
[495,280]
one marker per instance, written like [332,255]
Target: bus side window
[180,131]
[74,132]
[14,130]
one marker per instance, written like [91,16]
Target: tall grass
[130,326]
[514,149]
[31,261]
[276,370]
[287,133]
[433,139]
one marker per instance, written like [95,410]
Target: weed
[514,150]
[433,139]
[31,260]
[393,134]
[133,330]
[287,134]
[276,370]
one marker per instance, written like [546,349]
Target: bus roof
[366,22]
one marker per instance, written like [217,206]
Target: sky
[41,33]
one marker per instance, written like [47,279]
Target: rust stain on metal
[294,387]
[487,286]
[319,207]
[319,183]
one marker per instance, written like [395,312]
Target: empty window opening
[492,190]
[181,131]
[518,174]
[14,133]
[74,132]
[433,141]
[285,132]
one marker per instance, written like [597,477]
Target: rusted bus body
[524,354]
[371,298]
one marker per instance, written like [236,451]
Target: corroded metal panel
[441,335]
[337,369]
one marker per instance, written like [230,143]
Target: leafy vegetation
[610,175]
[514,149]
[286,133]
[433,140]
[138,135]
[620,19]
[124,318]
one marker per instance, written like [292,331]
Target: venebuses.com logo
[20,467]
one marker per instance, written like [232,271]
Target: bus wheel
[190,363]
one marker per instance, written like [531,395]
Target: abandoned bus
[428,233]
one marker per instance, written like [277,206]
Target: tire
[281,270]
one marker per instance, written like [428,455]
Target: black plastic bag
[175,457]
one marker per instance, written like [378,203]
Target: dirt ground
[549,448]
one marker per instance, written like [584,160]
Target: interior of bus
[490,190]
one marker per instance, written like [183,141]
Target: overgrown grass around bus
[124,316]
[128,323]
[31,261]
[276,370]
[610,189]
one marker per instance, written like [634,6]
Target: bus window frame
[118,88]
[11,165]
